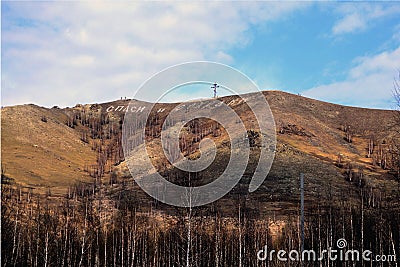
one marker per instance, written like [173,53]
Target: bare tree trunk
[362,222]
[46,249]
[240,238]
[189,231]
[84,235]
[14,257]
[217,240]
[122,245]
[37,233]
[393,246]
[105,248]
[97,257]
[134,240]
[65,252]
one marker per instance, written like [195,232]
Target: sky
[64,53]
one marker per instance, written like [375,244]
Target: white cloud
[358,17]
[369,82]
[349,23]
[61,53]
[224,57]
[396,34]
[382,63]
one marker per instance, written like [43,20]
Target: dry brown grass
[41,154]
[50,154]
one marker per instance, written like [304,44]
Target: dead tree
[349,134]
[396,152]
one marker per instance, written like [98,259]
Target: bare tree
[396,146]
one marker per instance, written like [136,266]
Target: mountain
[339,149]
[68,198]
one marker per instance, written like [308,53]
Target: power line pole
[215,86]
[302,214]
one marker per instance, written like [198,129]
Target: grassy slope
[42,154]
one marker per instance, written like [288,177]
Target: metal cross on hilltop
[215,86]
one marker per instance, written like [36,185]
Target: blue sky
[63,53]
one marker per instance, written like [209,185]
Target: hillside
[54,148]
[40,151]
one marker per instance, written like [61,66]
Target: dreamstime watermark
[138,149]
[339,254]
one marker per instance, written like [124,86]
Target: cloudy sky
[63,53]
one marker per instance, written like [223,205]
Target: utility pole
[302,214]
[215,86]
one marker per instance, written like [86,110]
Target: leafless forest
[81,230]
